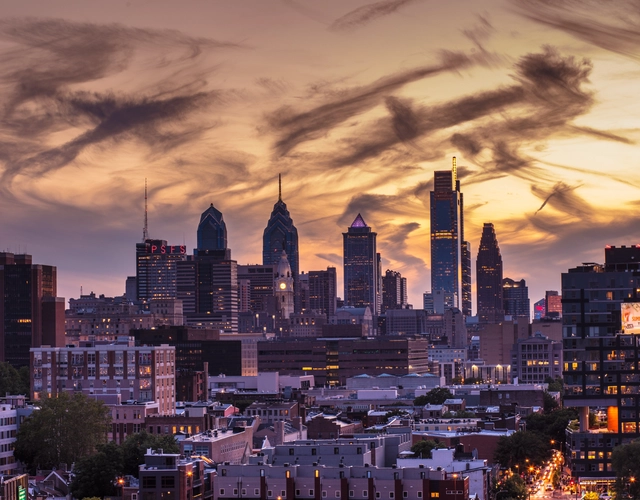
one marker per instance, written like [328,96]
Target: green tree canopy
[135,447]
[96,475]
[513,488]
[14,381]
[625,461]
[555,384]
[435,396]
[64,430]
[522,448]
[422,449]
[552,425]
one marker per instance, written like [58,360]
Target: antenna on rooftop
[145,229]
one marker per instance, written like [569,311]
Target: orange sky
[356,103]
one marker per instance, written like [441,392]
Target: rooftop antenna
[454,170]
[279,187]
[145,229]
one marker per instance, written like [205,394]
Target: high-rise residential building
[280,234]
[30,313]
[156,269]
[535,359]
[208,281]
[601,347]
[489,277]
[394,291]
[450,253]
[515,298]
[323,291]
[361,266]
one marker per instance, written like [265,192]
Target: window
[435,494]
[337,493]
[391,494]
[377,494]
[221,491]
[419,494]
[148,482]
[324,493]
[256,491]
[168,482]
[352,493]
[269,493]
[405,494]
[290,451]
[365,493]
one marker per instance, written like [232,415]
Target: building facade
[489,277]
[156,269]
[361,266]
[134,373]
[535,359]
[515,298]
[27,298]
[450,253]
[323,291]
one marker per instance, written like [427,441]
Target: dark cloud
[614,26]
[394,246]
[294,127]
[367,13]
[564,198]
[333,258]
[47,60]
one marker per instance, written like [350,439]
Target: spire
[359,222]
[279,187]
[454,171]
[145,229]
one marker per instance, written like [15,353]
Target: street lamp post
[455,486]
[121,484]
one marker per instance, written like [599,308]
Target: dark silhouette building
[394,291]
[361,275]
[212,231]
[30,313]
[489,277]
[515,298]
[323,291]
[208,280]
[450,253]
[280,234]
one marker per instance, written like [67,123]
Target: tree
[521,449]
[136,445]
[12,381]
[555,384]
[512,488]
[625,461]
[549,403]
[96,475]
[64,430]
[422,449]
[435,396]
[552,426]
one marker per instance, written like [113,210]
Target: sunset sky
[355,102]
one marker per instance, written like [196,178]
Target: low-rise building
[221,445]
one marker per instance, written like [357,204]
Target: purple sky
[356,103]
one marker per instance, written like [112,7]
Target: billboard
[630,314]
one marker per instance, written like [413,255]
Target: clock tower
[283,289]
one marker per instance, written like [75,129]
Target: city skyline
[356,103]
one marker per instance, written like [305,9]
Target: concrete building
[124,371]
[316,482]
[535,359]
[221,445]
[497,340]
[130,418]
[8,432]
[156,269]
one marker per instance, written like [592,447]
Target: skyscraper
[323,290]
[394,291]
[156,274]
[27,301]
[489,277]
[360,266]
[212,231]
[515,298]
[280,234]
[601,349]
[208,280]
[450,253]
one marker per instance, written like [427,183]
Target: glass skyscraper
[212,231]
[450,253]
[280,234]
[361,266]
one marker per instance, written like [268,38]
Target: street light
[455,486]
[121,484]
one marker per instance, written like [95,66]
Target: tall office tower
[450,253]
[601,341]
[515,298]
[212,231]
[553,304]
[208,282]
[394,291]
[489,277]
[30,313]
[360,266]
[156,270]
[260,280]
[280,234]
[427,303]
[539,309]
[284,287]
[323,291]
